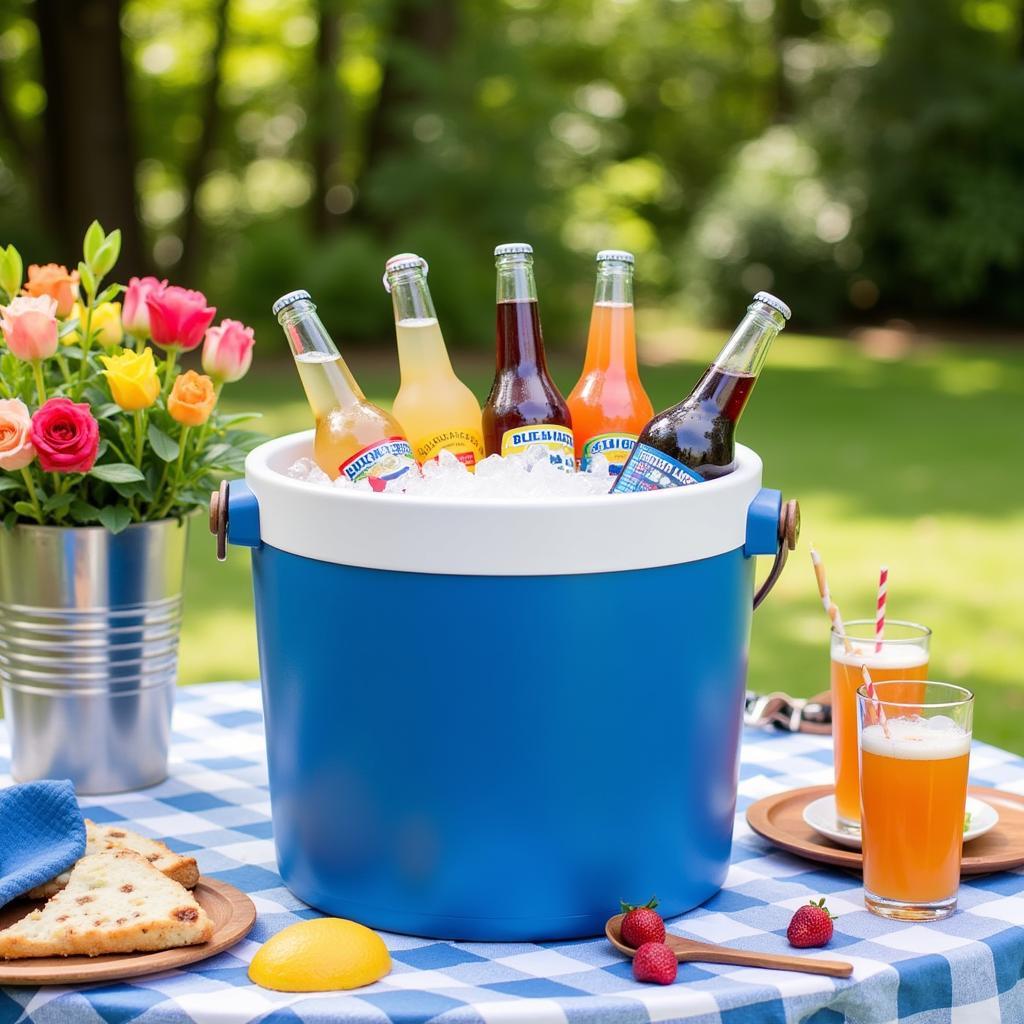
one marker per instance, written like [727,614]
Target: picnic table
[968,969]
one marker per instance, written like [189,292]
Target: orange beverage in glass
[609,405]
[913,793]
[903,655]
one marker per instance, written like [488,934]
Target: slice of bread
[114,902]
[99,838]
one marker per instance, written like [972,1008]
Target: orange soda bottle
[609,405]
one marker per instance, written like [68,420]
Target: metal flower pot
[89,627]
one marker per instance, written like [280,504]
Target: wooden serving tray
[231,911]
[779,819]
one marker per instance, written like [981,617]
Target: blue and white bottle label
[651,470]
[557,440]
[616,448]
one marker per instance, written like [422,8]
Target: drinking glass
[903,654]
[914,756]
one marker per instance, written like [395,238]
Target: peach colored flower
[16,449]
[29,327]
[192,399]
[54,280]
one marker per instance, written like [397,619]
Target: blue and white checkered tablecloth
[966,970]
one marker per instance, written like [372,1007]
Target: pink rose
[227,351]
[29,327]
[16,450]
[178,317]
[66,436]
[135,312]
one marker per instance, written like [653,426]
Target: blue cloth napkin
[41,834]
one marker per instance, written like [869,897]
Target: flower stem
[140,437]
[172,357]
[176,480]
[33,497]
[86,345]
[201,439]
[37,369]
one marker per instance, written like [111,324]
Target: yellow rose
[132,378]
[106,326]
[77,317]
[106,322]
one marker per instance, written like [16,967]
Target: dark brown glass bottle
[695,440]
[524,408]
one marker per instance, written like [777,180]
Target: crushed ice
[527,476]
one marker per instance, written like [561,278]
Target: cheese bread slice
[114,902]
[113,837]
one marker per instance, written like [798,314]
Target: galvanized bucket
[89,627]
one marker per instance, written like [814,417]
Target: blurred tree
[861,156]
[88,163]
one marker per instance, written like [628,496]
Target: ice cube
[307,469]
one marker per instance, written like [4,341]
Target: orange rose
[55,281]
[191,399]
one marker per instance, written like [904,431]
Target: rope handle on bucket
[789,534]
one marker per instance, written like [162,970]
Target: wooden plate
[231,911]
[779,819]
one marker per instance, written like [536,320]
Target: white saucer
[821,816]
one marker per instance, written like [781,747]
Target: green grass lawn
[912,461]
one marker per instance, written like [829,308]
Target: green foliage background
[861,157]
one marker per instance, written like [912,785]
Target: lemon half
[321,955]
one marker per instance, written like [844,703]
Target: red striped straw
[883,593]
[869,689]
[837,621]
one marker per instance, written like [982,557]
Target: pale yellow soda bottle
[354,438]
[436,409]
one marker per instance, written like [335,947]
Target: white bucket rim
[473,536]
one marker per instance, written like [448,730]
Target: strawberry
[811,926]
[642,923]
[654,961]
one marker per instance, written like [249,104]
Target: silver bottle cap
[615,254]
[770,300]
[512,249]
[403,261]
[286,300]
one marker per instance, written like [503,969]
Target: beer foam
[917,739]
[891,656]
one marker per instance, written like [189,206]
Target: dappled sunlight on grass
[909,462]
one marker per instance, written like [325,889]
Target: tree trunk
[89,149]
[325,115]
[424,26]
[195,169]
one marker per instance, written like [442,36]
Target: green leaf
[165,447]
[213,453]
[83,512]
[88,279]
[107,255]
[109,293]
[10,483]
[114,517]
[71,352]
[93,240]
[106,410]
[237,417]
[10,519]
[116,473]
[10,270]
[95,396]
[134,489]
[68,327]
[23,508]
[57,502]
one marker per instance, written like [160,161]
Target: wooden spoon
[687,950]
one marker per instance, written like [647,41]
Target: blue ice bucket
[491,720]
